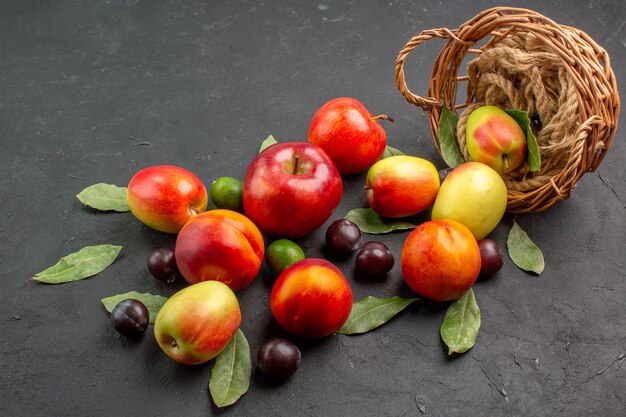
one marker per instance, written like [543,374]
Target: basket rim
[587,63]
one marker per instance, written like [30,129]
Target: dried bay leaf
[152,302]
[85,263]
[461,323]
[104,197]
[372,312]
[371,222]
[448,143]
[523,251]
[230,375]
[267,143]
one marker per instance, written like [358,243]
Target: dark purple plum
[490,257]
[130,318]
[374,259]
[162,265]
[343,237]
[278,358]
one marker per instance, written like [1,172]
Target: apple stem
[295,165]
[382,117]
[505,160]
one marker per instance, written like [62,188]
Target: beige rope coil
[556,73]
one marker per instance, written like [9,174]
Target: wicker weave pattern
[588,67]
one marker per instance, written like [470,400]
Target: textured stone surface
[92,92]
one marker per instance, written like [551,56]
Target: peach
[440,260]
[220,245]
[311,298]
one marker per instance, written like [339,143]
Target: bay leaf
[371,222]
[390,151]
[533,158]
[85,263]
[230,375]
[448,143]
[152,302]
[461,323]
[104,197]
[523,251]
[372,312]
[267,143]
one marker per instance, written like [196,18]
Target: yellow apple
[472,194]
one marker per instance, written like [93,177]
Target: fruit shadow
[267,276]
[363,278]
[335,258]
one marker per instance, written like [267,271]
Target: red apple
[220,245]
[291,188]
[401,186]
[349,133]
[196,323]
[440,260]
[311,298]
[165,197]
[495,139]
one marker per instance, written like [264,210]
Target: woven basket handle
[424,102]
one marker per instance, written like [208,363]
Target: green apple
[472,194]
[495,139]
[195,324]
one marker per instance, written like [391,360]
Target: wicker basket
[595,97]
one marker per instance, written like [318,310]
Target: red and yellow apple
[220,245]
[195,324]
[440,260]
[291,188]
[165,197]
[311,298]
[349,134]
[472,194]
[402,185]
[495,139]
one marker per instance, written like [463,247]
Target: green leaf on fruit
[448,142]
[533,158]
[85,263]
[461,323]
[152,302]
[230,375]
[389,151]
[267,143]
[523,251]
[371,222]
[372,312]
[104,197]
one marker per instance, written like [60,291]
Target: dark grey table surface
[204,83]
